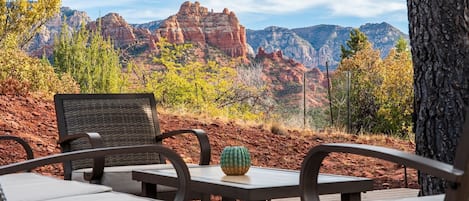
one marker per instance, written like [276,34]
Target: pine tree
[439,37]
[401,45]
[357,41]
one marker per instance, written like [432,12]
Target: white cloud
[367,8]
[133,11]
[354,8]
[141,11]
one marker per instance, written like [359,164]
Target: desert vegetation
[369,94]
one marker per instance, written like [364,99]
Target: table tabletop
[259,183]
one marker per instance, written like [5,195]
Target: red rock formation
[115,27]
[122,34]
[194,23]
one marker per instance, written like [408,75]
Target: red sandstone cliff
[284,77]
[194,23]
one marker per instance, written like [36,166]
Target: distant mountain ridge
[322,41]
[291,44]
[312,46]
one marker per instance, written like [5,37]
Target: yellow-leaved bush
[380,91]
[31,75]
[395,93]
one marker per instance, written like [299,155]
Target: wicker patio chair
[118,120]
[16,185]
[457,175]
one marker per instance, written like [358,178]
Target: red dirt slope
[34,120]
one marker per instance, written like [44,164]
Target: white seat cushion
[423,198]
[32,187]
[108,196]
[119,178]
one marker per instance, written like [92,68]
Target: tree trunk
[439,35]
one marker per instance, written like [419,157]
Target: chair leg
[149,190]
[205,197]
[350,197]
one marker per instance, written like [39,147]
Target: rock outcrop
[285,79]
[196,24]
[126,37]
[114,26]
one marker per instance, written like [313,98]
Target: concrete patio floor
[387,194]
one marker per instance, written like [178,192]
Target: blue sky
[258,14]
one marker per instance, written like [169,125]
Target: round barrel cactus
[235,160]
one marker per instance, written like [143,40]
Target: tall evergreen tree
[357,41]
[90,59]
[440,54]
[401,45]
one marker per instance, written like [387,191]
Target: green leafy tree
[20,20]
[90,59]
[381,91]
[363,67]
[357,41]
[208,88]
[395,93]
[360,61]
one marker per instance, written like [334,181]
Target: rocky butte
[195,24]
[124,35]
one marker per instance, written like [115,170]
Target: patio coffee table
[259,183]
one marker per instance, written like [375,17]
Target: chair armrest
[205,149]
[312,163]
[178,163]
[24,144]
[95,141]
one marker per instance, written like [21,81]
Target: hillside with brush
[33,119]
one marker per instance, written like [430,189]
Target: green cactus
[235,160]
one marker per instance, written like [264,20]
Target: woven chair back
[120,119]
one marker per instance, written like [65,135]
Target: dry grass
[335,133]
